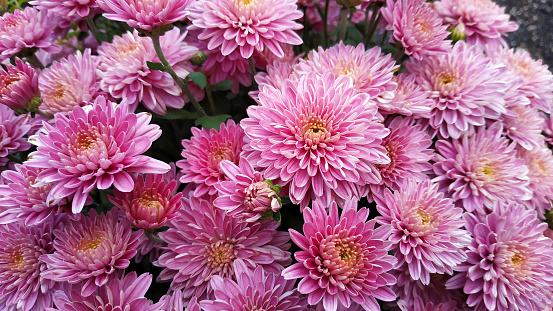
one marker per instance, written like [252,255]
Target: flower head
[523,125]
[539,161]
[94,148]
[71,9]
[12,131]
[19,86]
[247,25]
[343,258]
[91,250]
[409,99]
[234,67]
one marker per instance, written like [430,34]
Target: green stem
[325,23]
[13,158]
[375,20]
[44,114]
[383,38]
[35,61]
[182,84]
[210,99]
[153,237]
[343,24]
[91,25]
[398,55]
[252,71]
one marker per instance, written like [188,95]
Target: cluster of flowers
[419,181]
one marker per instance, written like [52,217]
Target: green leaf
[212,122]
[285,200]
[223,86]
[180,114]
[101,36]
[162,229]
[198,78]
[277,216]
[155,66]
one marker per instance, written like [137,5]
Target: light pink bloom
[91,250]
[416,27]
[94,149]
[318,136]
[547,128]
[145,14]
[12,131]
[71,9]
[408,99]
[19,86]
[523,125]
[247,25]
[343,258]
[539,161]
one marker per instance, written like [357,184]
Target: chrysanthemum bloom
[68,83]
[94,148]
[21,284]
[19,86]
[205,150]
[317,135]
[408,99]
[547,128]
[370,70]
[275,76]
[25,30]
[247,25]
[416,27]
[145,14]
[124,71]
[91,250]
[151,203]
[246,194]
[408,149]
[483,22]
[253,290]
[477,170]
[426,229]
[510,261]
[523,124]
[466,87]
[12,131]
[120,293]
[204,241]
[233,66]
[266,57]
[342,259]
[421,305]
[70,9]
[540,171]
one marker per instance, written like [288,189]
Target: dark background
[535,21]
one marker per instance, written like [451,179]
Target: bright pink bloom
[12,131]
[426,229]
[94,148]
[317,135]
[71,9]
[18,86]
[409,99]
[247,25]
[510,261]
[91,250]
[145,14]
[151,203]
[204,241]
[343,258]
[205,150]
[416,27]
[234,67]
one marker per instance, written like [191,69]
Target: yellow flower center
[89,243]
[17,259]
[425,217]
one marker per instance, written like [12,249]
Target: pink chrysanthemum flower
[21,284]
[482,22]
[426,229]
[416,27]
[523,125]
[465,86]
[409,99]
[94,148]
[421,305]
[145,14]
[317,135]
[120,293]
[370,70]
[247,25]
[151,203]
[408,149]
[124,71]
[69,83]
[540,171]
[343,258]
[246,194]
[510,261]
[276,75]
[204,241]
[71,9]
[91,250]
[205,150]
[19,86]
[233,66]
[477,170]
[27,29]
[547,128]
[253,290]
[12,131]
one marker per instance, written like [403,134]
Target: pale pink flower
[19,86]
[408,99]
[13,130]
[71,9]
[523,125]
[539,161]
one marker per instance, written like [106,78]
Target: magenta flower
[539,161]
[409,99]
[71,9]
[145,14]
[426,229]
[205,150]
[12,131]
[94,148]
[246,194]
[247,25]
[317,135]
[416,27]
[151,203]
[22,286]
[233,66]
[120,293]
[91,250]
[204,241]
[68,83]
[27,29]
[465,86]
[477,170]
[510,261]
[19,86]
[342,259]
